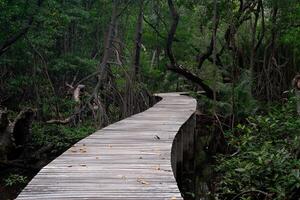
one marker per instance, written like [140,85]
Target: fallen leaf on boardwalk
[142,181]
[83,150]
[73,150]
[83,144]
[110,146]
[69,165]
[83,165]
[141,157]
[157,168]
[173,198]
[97,157]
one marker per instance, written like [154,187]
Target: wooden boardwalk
[130,159]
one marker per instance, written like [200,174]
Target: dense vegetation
[266,162]
[70,67]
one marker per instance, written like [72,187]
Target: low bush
[266,164]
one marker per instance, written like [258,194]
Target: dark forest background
[69,67]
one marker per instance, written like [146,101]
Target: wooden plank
[130,159]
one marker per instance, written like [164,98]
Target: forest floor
[11,186]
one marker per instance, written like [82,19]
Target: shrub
[267,159]
[15,179]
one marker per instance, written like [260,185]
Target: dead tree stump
[14,135]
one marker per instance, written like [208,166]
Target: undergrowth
[60,137]
[266,164]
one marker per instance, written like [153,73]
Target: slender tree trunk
[174,66]
[103,67]
[253,41]
[296,86]
[157,51]
[138,42]
[131,91]
[214,52]
[36,89]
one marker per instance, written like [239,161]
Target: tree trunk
[138,42]
[103,68]
[14,136]
[173,66]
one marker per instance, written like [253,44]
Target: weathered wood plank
[130,159]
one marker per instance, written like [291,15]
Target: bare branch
[154,28]
[192,77]
[173,64]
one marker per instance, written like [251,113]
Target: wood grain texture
[130,159]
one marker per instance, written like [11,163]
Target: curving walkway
[130,159]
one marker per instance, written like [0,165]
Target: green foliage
[19,83]
[267,158]
[239,95]
[59,136]
[291,34]
[15,179]
[72,64]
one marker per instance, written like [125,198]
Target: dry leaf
[82,150]
[73,150]
[69,165]
[83,165]
[173,198]
[142,181]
